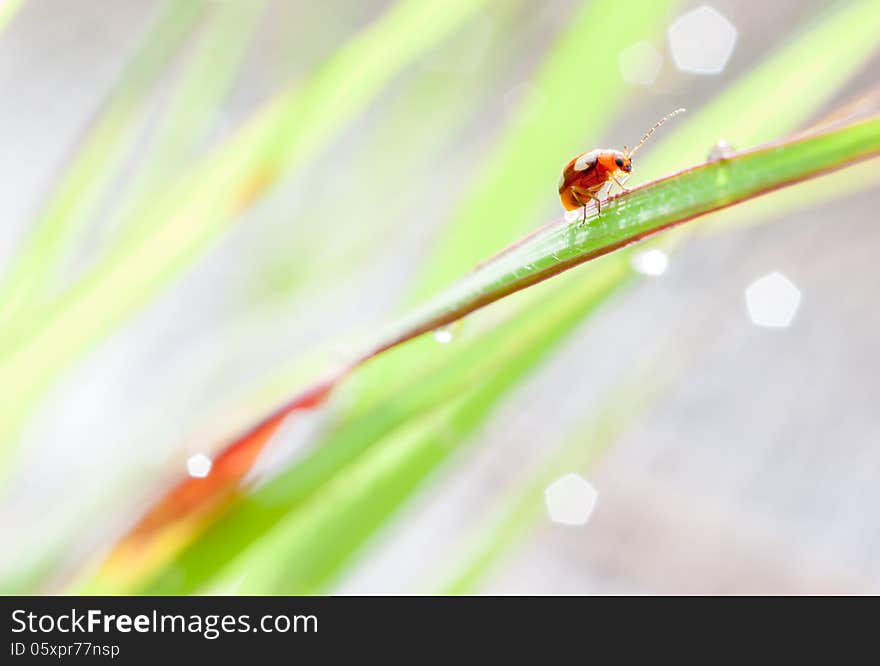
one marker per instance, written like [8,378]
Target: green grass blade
[419,454]
[814,50]
[779,96]
[649,209]
[574,104]
[641,213]
[317,540]
[494,363]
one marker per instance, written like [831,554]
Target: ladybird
[585,175]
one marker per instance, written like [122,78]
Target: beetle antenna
[630,153]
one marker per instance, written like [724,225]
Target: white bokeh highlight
[570,500]
[720,150]
[772,301]
[702,41]
[650,262]
[640,63]
[444,335]
[199,465]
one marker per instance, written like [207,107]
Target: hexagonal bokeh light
[199,465]
[702,41]
[772,301]
[570,500]
[640,63]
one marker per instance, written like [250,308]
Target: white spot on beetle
[585,161]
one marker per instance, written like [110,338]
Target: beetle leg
[583,197]
[598,207]
[619,184]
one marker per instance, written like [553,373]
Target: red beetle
[585,175]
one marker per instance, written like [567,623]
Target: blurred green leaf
[485,369]
[301,262]
[85,179]
[780,95]
[7,11]
[202,87]
[514,516]
[169,235]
